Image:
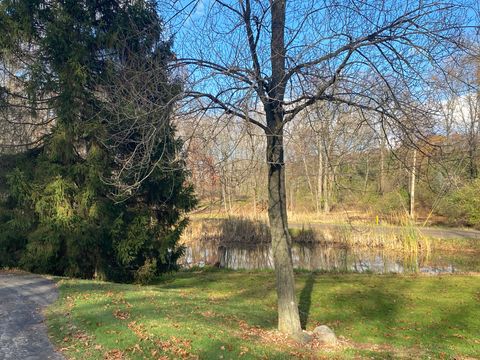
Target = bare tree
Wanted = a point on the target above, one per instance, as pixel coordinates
(412, 184)
(224, 149)
(459, 118)
(464, 106)
(267, 61)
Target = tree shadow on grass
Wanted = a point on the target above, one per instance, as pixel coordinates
(394, 313)
(162, 322)
(389, 311)
(305, 301)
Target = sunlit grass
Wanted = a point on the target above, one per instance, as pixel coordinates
(217, 314)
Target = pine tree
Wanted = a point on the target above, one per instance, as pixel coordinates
(74, 50)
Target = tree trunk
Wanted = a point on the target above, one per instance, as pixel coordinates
(326, 186)
(229, 197)
(472, 151)
(255, 197)
(309, 181)
(381, 187)
(288, 316)
(367, 170)
(292, 196)
(412, 185)
(224, 196)
(319, 176)
(475, 127)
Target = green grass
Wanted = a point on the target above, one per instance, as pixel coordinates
(231, 315)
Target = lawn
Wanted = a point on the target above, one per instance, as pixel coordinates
(231, 315)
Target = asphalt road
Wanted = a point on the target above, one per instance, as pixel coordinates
(434, 232)
(23, 334)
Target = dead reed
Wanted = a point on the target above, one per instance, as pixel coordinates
(405, 238)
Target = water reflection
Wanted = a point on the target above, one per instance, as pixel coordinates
(328, 258)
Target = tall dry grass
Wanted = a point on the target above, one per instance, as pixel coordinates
(406, 238)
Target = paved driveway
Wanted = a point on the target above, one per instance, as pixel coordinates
(23, 334)
(434, 232)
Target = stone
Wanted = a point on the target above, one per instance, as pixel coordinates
(303, 337)
(325, 335)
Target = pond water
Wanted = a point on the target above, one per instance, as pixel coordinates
(327, 257)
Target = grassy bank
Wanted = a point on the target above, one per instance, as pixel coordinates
(231, 315)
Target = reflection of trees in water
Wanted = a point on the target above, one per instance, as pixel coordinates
(253, 257)
(200, 253)
(319, 257)
(376, 261)
(245, 244)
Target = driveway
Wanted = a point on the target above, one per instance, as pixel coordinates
(23, 334)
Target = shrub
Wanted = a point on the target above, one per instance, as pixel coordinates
(147, 272)
(462, 206)
(391, 203)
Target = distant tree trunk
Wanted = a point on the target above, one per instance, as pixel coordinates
(292, 197)
(472, 161)
(229, 197)
(229, 188)
(475, 125)
(224, 196)
(309, 181)
(254, 173)
(255, 184)
(319, 176)
(326, 185)
(472, 146)
(381, 187)
(412, 185)
(366, 176)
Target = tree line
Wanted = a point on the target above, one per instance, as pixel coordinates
(340, 160)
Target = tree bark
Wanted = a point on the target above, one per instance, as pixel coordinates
(412, 185)
(319, 176)
(472, 151)
(381, 187)
(255, 197)
(326, 186)
(288, 316)
(224, 196)
(367, 170)
(309, 182)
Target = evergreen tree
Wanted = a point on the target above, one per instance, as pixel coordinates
(59, 204)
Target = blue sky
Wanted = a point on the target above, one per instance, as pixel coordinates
(201, 31)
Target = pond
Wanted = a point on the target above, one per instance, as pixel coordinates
(328, 257)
